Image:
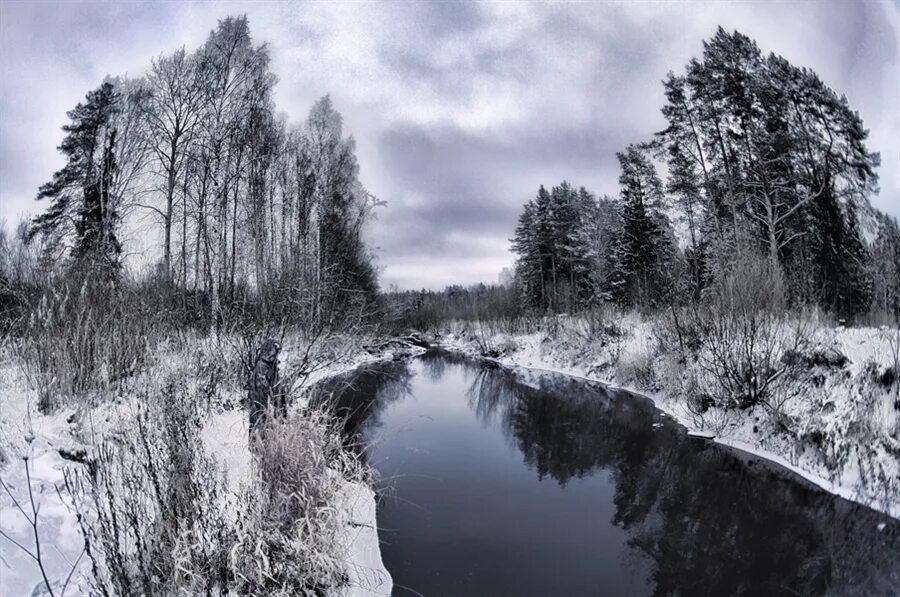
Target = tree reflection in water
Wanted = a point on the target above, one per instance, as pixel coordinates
(358, 399)
(713, 522)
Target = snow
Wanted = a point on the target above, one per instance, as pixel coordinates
(38, 439)
(701, 434)
(61, 543)
(23, 431)
(226, 437)
(855, 419)
(368, 576)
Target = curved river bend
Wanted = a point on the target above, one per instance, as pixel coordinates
(493, 487)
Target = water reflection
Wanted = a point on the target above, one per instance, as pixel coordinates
(710, 522)
(359, 399)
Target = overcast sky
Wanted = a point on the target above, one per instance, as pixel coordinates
(460, 111)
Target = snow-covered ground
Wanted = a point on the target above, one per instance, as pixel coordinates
(72, 428)
(843, 434)
(843, 421)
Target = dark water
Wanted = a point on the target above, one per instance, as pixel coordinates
(491, 487)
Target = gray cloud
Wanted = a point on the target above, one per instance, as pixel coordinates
(460, 110)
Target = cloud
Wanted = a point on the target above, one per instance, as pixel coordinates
(460, 110)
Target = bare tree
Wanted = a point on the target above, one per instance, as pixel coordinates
(172, 109)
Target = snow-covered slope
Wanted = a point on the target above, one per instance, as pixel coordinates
(844, 424)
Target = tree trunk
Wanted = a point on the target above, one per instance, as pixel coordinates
(169, 216)
(264, 397)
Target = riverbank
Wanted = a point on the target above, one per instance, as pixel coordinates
(838, 428)
(62, 441)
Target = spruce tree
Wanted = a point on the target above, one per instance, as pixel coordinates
(639, 277)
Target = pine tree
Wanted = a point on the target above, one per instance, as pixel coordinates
(885, 267)
(772, 157)
(82, 206)
(593, 243)
(528, 272)
(561, 219)
(838, 259)
(533, 242)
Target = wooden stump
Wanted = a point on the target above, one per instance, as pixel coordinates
(264, 396)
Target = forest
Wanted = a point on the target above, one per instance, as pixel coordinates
(762, 161)
(239, 206)
(250, 228)
(741, 279)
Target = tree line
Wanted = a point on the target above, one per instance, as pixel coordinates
(761, 159)
(239, 202)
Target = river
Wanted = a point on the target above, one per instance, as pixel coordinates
(490, 486)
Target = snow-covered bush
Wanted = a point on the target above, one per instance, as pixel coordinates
(159, 516)
(289, 531)
(79, 338)
(151, 503)
(636, 369)
(745, 332)
(599, 323)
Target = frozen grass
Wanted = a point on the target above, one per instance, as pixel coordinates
(173, 464)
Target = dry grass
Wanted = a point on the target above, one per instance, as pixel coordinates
(158, 516)
(151, 502)
(79, 339)
(289, 541)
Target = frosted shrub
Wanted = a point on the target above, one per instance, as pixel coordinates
(637, 368)
(679, 331)
(288, 540)
(485, 334)
(745, 332)
(599, 323)
(79, 339)
(151, 504)
(158, 518)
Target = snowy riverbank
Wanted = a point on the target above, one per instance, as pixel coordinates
(842, 419)
(60, 441)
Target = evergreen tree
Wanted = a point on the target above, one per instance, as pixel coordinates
(553, 244)
(761, 151)
(528, 272)
(561, 220)
(83, 207)
(594, 241)
(838, 259)
(885, 267)
(640, 276)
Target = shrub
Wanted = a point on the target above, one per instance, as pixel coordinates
(745, 332)
(599, 323)
(82, 337)
(158, 518)
(289, 539)
(151, 504)
(637, 368)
